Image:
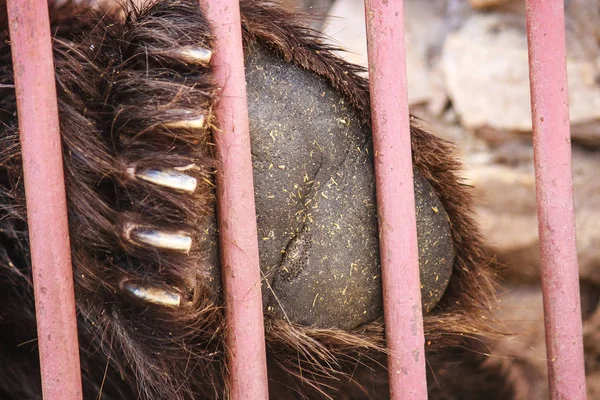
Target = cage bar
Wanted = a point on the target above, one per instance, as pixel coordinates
(46, 200)
(395, 199)
(236, 209)
(554, 192)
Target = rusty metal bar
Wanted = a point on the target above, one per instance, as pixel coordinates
(46, 200)
(395, 199)
(554, 186)
(236, 209)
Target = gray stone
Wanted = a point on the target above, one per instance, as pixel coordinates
(485, 65)
(505, 186)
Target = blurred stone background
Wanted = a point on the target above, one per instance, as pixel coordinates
(468, 77)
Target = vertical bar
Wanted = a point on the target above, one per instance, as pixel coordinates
(46, 200)
(554, 187)
(395, 199)
(236, 209)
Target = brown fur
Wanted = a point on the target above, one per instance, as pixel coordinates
(114, 93)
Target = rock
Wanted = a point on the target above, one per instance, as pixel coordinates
(486, 73)
(521, 312)
(505, 186)
(485, 65)
(587, 133)
(591, 344)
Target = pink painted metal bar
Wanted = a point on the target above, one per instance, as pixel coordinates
(396, 199)
(46, 201)
(556, 216)
(236, 209)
